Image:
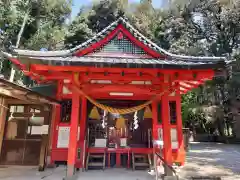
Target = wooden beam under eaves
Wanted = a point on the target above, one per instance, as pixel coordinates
(8, 93)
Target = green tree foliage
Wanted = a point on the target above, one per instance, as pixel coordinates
(78, 31)
(48, 28)
(105, 12)
(42, 24)
(144, 17)
(95, 18)
(202, 28)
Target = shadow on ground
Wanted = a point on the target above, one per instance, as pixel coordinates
(212, 160)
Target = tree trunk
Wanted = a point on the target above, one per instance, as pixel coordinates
(25, 19)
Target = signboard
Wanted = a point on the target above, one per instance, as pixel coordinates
(174, 138)
(36, 130)
(45, 129)
(63, 136)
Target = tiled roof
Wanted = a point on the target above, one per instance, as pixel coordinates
(67, 57)
(103, 34)
(131, 62)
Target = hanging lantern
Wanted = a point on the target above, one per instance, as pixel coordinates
(120, 123)
(94, 114)
(135, 121)
(147, 113)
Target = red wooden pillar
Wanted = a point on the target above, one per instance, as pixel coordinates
(154, 120)
(179, 120)
(83, 130)
(155, 136)
(54, 124)
(167, 145)
(72, 149)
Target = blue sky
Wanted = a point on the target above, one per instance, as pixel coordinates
(78, 3)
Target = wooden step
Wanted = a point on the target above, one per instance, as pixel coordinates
(95, 164)
(141, 160)
(141, 164)
(139, 156)
(96, 156)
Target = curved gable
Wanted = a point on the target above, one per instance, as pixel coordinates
(120, 41)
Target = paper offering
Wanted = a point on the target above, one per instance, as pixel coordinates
(123, 142)
(100, 142)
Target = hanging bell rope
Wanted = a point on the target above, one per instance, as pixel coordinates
(76, 87)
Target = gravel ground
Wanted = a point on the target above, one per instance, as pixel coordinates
(203, 159)
(210, 159)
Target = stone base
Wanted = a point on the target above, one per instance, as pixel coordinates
(71, 173)
(170, 178)
(74, 177)
(51, 166)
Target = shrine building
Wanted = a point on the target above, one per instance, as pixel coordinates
(120, 96)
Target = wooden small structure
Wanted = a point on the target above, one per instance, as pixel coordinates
(24, 125)
(120, 74)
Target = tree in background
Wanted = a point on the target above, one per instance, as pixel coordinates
(78, 30)
(105, 12)
(42, 26)
(94, 18)
(204, 28)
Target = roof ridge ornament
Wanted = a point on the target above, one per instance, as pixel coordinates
(121, 15)
(123, 18)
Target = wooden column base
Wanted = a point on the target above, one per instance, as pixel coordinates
(43, 151)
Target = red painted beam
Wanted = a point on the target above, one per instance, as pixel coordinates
(96, 89)
(40, 67)
(193, 83)
(118, 77)
(103, 93)
(192, 86)
(107, 96)
(91, 72)
(122, 87)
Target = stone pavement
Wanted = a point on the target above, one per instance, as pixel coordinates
(203, 159)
